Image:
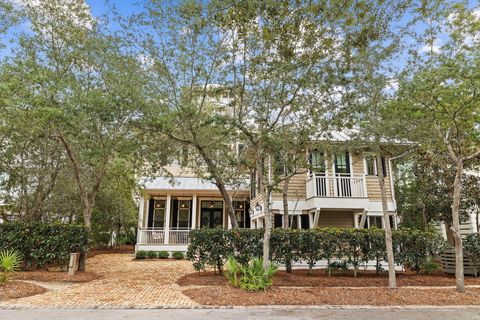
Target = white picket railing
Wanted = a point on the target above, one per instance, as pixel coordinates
(333, 186)
(159, 236)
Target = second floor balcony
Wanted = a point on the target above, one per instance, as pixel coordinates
(336, 186)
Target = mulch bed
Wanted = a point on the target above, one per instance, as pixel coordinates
(56, 276)
(318, 278)
(17, 289)
(227, 295)
(112, 250)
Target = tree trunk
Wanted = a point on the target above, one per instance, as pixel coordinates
(286, 220)
(228, 203)
(267, 231)
(87, 221)
(457, 185)
(392, 281)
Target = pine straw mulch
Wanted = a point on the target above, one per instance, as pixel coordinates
(320, 289)
(229, 296)
(121, 249)
(318, 278)
(18, 289)
(56, 276)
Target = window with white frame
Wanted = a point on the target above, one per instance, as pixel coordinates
(158, 214)
(370, 166)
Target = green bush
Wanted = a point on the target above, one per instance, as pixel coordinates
(472, 249)
(152, 254)
(141, 254)
(42, 244)
(415, 247)
(337, 268)
(9, 262)
(178, 255)
(250, 277)
(163, 255)
(209, 248)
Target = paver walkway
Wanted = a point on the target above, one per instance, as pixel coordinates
(124, 282)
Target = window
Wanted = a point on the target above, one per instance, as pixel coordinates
(317, 162)
(371, 166)
(158, 214)
(253, 184)
(375, 222)
(241, 213)
(240, 148)
(183, 214)
(342, 163)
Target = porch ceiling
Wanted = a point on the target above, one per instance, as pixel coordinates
(185, 183)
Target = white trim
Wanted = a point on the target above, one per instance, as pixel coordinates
(167, 218)
(193, 223)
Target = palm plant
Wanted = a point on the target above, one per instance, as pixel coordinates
(9, 263)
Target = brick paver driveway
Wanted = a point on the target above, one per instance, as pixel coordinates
(125, 282)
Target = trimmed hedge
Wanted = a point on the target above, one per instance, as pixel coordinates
(210, 248)
(42, 244)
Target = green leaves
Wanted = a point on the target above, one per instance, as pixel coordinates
(42, 244)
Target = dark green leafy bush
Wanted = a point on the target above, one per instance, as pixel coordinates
(178, 255)
(42, 244)
(141, 254)
(163, 255)
(472, 249)
(209, 248)
(151, 254)
(414, 247)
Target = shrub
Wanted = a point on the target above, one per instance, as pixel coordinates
(337, 268)
(42, 244)
(9, 263)
(178, 255)
(311, 245)
(250, 277)
(285, 247)
(141, 254)
(429, 267)
(246, 243)
(151, 254)
(163, 255)
(209, 248)
(414, 247)
(472, 248)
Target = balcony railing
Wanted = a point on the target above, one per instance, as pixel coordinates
(162, 236)
(336, 186)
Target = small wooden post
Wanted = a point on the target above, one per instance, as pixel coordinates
(73, 263)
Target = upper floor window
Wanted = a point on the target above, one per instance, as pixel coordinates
(371, 166)
(317, 161)
(342, 163)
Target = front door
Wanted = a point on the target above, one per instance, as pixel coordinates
(211, 214)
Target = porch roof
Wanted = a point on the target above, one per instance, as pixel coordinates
(186, 183)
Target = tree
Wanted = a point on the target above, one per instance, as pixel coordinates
(80, 89)
(440, 99)
(182, 48)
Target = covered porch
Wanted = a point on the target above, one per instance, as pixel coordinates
(167, 213)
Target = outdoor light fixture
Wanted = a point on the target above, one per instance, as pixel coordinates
(258, 207)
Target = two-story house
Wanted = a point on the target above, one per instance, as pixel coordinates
(339, 189)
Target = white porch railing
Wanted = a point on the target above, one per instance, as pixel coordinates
(159, 236)
(336, 186)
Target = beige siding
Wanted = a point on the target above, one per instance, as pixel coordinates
(373, 188)
(297, 188)
(335, 219)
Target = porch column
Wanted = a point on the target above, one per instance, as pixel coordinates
(316, 217)
(166, 238)
(141, 207)
(363, 219)
(194, 211)
(310, 219)
(299, 221)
